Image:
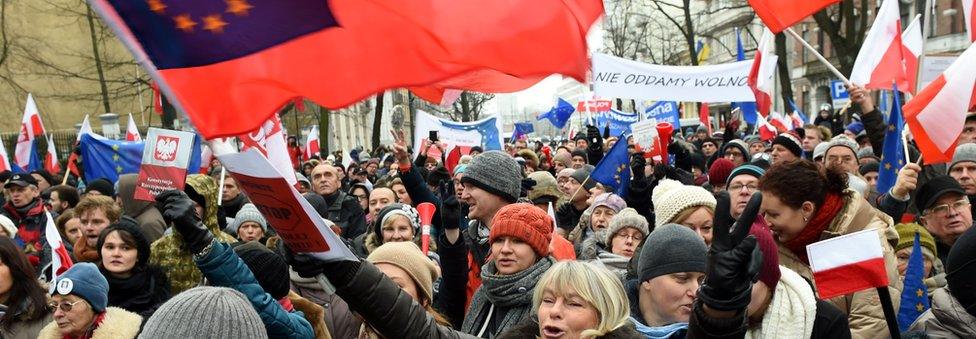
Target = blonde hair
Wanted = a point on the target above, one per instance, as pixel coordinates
(688, 211)
(594, 284)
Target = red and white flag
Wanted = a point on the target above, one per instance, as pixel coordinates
(781, 122)
(847, 264)
(30, 128)
(937, 114)
(4, 160)
(132, 132)
(766, 130)
(705, 116)
(969, 11)
(312, 143)
(269, 140)
(912, 44)
(51, 163)
(879, 63)
(779, 15)
(87, 129)
(762, 75)
(797, 119)
(60, 260)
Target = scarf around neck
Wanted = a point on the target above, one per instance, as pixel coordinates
(812, 232)
(512, 292)
(791, 312)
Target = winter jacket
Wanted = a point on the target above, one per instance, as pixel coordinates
(452, 298)
(344, 210)
(476, 239)
(169, 252)
(876, 128)
(117, 324)
(417, 189)
(222, 267)
(151, 222)
(946, 319)
(30, 221)
(830, 323)
(141, 293)
(862, 308)
(530, 329)
(340, 321)
(27, 329)
(385, 306)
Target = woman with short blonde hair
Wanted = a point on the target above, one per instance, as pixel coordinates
(578, 299)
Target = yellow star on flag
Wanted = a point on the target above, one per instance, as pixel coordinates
(118, 169)
(919, 307)
(115, 147)
(157, 6)
(891, 127)
(919, 292)
(214, 23)
(115, 157)
(238, 7)
(184, 23)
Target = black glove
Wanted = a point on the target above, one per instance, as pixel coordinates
(734, 258)
(177, 208)
(339, 272)
(637, 164)
(606, 131)
(593, 137)
(676, 149)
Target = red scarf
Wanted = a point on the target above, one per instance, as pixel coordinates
(812, 232)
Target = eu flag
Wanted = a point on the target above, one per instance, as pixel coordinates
(614, 170)
(893, 154)
(560, 114)
(748, 108)
(35, 160)
(104, 158)
(914, 297)
(522, 129)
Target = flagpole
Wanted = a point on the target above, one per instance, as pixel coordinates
(889, 312)
(819, 56)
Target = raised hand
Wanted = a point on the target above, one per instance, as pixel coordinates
(177, 208)
(400, 147)
(734, 258)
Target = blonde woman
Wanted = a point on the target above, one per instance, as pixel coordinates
(577, 299)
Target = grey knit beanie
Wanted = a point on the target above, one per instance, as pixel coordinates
(248, 212)
(497, 173)
(671, 248)
(964, 153)
(205, 312)
(627, 217)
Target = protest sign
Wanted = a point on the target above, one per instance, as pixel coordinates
(483, 133)
(618, 121)
(594, 106)
(615, 77)
(164, 162)
(645, 132)
(664, 111)
(287, 212)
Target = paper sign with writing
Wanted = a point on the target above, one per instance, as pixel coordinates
(615, 77)
(164, 162)
(645, 132)
(287, 212)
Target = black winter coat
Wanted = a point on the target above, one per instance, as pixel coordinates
(830, 323)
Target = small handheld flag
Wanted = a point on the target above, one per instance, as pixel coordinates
(914, 297)
(893, 154)
(614, 170)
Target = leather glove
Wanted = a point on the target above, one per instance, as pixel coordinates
(593, 137)
(178, 209)
(338, 272)
(734, 258)
(637, 164)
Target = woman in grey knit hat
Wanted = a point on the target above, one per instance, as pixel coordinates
(617, 244)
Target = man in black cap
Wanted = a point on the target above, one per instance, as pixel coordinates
(944, 211)
(26, 210)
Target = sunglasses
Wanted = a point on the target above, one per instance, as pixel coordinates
(64, 305)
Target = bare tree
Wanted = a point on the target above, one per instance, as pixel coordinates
(468, 107)
(845, 25)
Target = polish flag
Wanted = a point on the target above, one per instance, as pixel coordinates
(312, 143)
(51, 163)
(781, 122)
(911, 41)
(60, 260)
(847, 264)
(879, 63)
(269, 139)
(766, 130)
(797, 119)
(206, 156)
(762, 75)
(157, 99)
(705, 116)
(132, 132)
(969, 11)
(937, 114)
(30, 127)
(4, 160)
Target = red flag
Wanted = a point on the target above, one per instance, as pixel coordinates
(453, 157)
(4, 160)
(131, 131)
(766, 130)
(312, 143)
(51, 163)
(762, 75)
(705, 116)
(848, 263)
(937, 114)
(880, 62)
(779, 15)
(30, 128)
(157, 99)
(215, 66)
(60, 260)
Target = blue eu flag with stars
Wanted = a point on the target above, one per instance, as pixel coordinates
(560, 114)
(914, 297)
(614, 170)
(109, 159)
(893, 154)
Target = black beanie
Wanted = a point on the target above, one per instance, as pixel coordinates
(579, 153)
(438, 175)
(869, 167)
(103, 186)
(791, 141)
(269, 269)
(960, 268)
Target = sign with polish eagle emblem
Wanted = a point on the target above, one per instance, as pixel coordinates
(164, 162)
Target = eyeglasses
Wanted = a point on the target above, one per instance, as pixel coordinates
(738, 187)
(942, 210)
(64, 305)
(634, 237)
(361, 197)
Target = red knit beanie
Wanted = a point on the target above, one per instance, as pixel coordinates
(526, 222)
(769, 272)
(720, 171)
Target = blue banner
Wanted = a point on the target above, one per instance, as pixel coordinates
(665, 111)
(619, 121)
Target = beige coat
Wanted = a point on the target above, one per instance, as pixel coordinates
(26, 329)
(863, 308)
(946, 319)
(117, 324)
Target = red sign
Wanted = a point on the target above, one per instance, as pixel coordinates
(274, 198)
(594, 106)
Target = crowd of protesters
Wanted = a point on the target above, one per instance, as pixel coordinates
(523, 244)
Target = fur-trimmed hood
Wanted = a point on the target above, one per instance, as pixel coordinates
(591, 247)
(117, 324)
